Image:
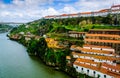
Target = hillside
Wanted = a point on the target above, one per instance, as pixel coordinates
(42, 26)
(5, 28)
(49, 40)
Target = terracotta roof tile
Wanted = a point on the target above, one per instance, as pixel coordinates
(98, 67)
(68, 57)
(88, 45)
(104, 10)
(85, 12)
(105, 41)
(110, 58)
(73, 14)
(103, 35)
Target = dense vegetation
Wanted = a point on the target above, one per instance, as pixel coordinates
(58, 29)
(54, 57)
(5, 28)
(43, 26)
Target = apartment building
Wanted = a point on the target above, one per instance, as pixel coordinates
(96, 61)
(114, 9)
(104, 37)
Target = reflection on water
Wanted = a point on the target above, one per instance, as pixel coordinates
(16, 63)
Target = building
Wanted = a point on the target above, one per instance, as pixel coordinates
(96, 61)
(76, 34)
(96, 69)
(53, 43)
(95, 47)
(105, 52)
(104, 37)
(97, 58)
(16, 36)
(114, 9)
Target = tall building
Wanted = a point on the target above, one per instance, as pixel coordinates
(104, 37)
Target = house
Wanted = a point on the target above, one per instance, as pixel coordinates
(76, 34)
(96, 69)
(104, 37)
(96, 61)
(115, 9)
(53, 43)
(97, 58)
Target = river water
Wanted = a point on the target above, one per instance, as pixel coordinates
(16, 63)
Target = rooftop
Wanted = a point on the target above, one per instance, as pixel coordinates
(88, 45)
(90, 50)
(68, 57)
(98, 67)
(103, 41)
(103, 35)
(86, 13)
(110, 58)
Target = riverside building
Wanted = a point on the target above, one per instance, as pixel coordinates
(114, 9)
(96, 61)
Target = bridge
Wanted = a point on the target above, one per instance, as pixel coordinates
(12, 23)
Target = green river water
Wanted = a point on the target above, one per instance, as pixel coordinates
(16, 63)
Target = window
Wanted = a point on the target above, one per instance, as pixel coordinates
(104, 76)
(87, 71)
(81, 68)
(76, 67)
(94, 72)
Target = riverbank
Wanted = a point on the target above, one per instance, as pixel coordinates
(51, 42)
(16, 63)
(53, 57)
(5, 28)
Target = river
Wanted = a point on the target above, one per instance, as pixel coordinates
(16, 63)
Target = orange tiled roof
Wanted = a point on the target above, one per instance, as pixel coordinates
(106, 58)
(103, 30)
(88, 45)
(86, 61)
(104, 10)
(103, 35)
(116, 67)
(73, 14)
(78, 60)
(73, 46)
(89, 50)
(98, 67)
(105, 41)
(64, 15)
(97, 56)
(53, 43)
(85, 12)
(94, 51)
(68, 57)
